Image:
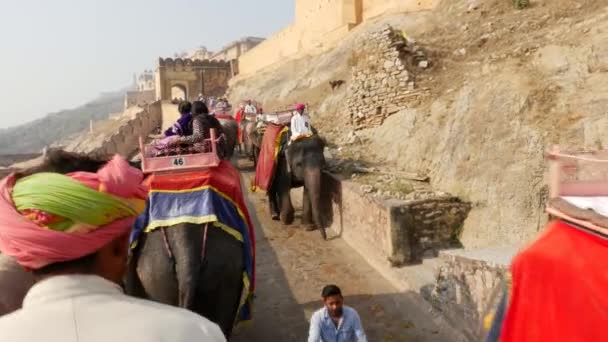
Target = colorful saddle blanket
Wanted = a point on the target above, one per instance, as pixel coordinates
(207, 196)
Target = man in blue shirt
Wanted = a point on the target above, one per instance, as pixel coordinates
(335, 322)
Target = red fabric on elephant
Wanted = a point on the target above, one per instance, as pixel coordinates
(559, 288)
(269, 152)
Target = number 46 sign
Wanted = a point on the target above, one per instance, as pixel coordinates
(178, 161)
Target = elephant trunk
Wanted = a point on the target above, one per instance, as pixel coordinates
(312, 182)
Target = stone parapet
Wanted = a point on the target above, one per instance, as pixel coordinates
(465, 283)
(119, 135)
(399, 232)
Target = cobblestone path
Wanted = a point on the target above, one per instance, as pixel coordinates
(292, 267)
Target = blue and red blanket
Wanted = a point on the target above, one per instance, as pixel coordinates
(207, 196)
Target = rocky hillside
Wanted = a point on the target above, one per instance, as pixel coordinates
(35, 135)
(502, 85)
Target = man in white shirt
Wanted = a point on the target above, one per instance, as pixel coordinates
(300, 127)
(335, 321)
(250, 108)
(78, 258)
(300, 123)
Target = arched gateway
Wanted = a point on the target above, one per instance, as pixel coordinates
(192, 77)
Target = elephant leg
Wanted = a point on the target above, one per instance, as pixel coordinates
(307, 210)
(273, 205)
(221, 279)
(282, 184)
(155, 271)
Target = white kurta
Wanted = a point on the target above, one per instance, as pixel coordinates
(300, 125)
(250, 109)
(91, 309)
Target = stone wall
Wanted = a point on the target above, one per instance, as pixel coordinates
(374, 8)
(383, 77)
(398, 232)
(235, 49)
(466, 283)
(119, 135)
(318, 25)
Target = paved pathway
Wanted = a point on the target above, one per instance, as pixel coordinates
(292, 267)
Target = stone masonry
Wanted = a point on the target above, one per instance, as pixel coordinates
(383, 76)
(466, 284)
(394, 231)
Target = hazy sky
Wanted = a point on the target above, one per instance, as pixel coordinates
(58, 54)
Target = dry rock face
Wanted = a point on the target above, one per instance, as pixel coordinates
(383, 77)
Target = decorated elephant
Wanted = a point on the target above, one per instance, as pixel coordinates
(306, 160)
(192, 247)
(306, 164)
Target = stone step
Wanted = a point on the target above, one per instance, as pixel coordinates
(465, 282)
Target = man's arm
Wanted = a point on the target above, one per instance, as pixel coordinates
(314, 332)
(359, 332)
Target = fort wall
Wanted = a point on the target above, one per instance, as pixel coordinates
(318, 25)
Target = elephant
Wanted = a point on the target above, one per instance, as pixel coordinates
(167, 266)
(14, 284)
(230, 128)
(306, 163)
(251, 140)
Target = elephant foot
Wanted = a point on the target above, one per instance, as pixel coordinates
(287, 218)
(310, 227)
(275, 217)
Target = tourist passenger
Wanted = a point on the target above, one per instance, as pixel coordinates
(72, 232)
(202, 122)
(183, 125)
(335, 322)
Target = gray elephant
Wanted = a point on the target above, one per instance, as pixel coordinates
(252, 140)
(168, 266)
(306, 164)
(230, 128)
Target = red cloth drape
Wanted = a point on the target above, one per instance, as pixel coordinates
(268, 156)
(560, 288)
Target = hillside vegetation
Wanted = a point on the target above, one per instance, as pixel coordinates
(34, 136)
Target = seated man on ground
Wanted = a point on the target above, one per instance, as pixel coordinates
(202, 123)
(335, 321)
(72, 231)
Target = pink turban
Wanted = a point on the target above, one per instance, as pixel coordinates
(32, 242)
(300, 106)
